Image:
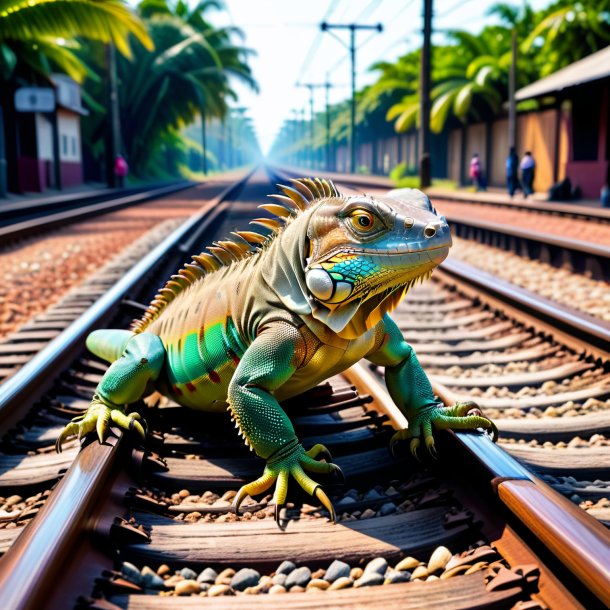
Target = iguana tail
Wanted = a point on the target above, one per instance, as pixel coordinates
(108, 344)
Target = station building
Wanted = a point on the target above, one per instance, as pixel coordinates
(35, 158)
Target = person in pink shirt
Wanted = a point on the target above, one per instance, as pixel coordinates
(121, 169)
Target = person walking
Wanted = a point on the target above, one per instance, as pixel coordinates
(512, 171)
(476, 173)
(121, 169)
(528, 171)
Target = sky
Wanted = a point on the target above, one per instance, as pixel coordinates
(291, 49)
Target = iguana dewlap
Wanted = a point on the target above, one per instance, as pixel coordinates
(259, 319)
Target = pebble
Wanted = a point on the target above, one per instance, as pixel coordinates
(368, 514)
(131, 573)
(439, 559)
(356, 573)
(277, 589)
(299, 577)
(150, 580)
(172, 581)
(394, 576)
(387, 509)
(352, 493)
(186, 587)
(408, 563)
(379, 565)
(341, 583)
(163, 569)
(188, 574)
(318, 583)
(246, 577)
(297, 589)
(12, 500)
(419, 572)
(224, 578)
(184, 493)
(337, 569)
(218, 590)
(372, 494)
(279, 579)
(285, 567)
(345, 501)
(209, 576)
(369, 579)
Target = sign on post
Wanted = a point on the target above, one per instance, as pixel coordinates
(35, 99)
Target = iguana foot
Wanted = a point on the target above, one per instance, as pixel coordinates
(98, 417)
(462, 416)
(291, 460)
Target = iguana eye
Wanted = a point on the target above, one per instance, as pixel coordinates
(362, 221)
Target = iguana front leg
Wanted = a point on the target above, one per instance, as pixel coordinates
(410, 389)
(267, 364)
(124, 383)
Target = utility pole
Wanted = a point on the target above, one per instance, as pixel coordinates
(353, 28)
(425, 169)
(312, 87)
(512, 104)
(327, 86)
(114, 127)
(204, 152)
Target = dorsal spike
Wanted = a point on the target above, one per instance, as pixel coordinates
(224, 256)
(323, 187)
(235, 249)
(333, 189)
(295, 195)
(252, 237)
(270, 223)
(276, 210)
(286, 202)
(180, 279)
(242, 241)
(167, 294)
(192, 272)
(302, 188)
(313, 187)
(207, 261)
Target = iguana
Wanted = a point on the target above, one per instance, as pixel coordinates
(259, 319)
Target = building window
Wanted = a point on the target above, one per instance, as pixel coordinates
(64, 144)
(74, 146)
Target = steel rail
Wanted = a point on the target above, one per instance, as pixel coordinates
(575, 323)
(29, 569)
(45, 221)
(581, 543)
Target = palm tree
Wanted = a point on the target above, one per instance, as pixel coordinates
(41, 33)
(571, 30)
(163, 90)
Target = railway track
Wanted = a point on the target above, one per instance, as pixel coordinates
(24, 218)
(143, 528)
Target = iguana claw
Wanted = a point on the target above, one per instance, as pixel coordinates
(279, 471)
(462, 416)
(98, 417)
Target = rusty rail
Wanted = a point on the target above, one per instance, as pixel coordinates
(580, 542)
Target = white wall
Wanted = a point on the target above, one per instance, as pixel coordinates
(69, 137)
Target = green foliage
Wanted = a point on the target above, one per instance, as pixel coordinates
(164, 89)
(40, 34)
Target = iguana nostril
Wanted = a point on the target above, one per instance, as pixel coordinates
(430, 231)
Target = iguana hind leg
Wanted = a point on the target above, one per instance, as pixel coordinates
(268, 363)
(124, 383)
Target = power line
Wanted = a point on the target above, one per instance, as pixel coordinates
(371, 7)
(316, 42)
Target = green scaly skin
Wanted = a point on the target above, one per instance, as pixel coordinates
(260, 319)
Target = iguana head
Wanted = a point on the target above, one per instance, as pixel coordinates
(348, 260)
(366, 252)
